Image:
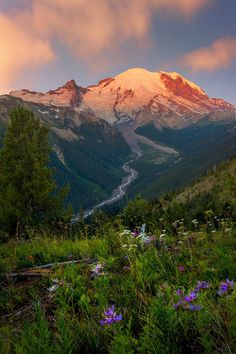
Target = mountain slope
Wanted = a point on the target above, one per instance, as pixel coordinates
(87, 152)
(200, 146)
(221, 180)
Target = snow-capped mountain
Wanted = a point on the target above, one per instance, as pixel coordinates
(138, 95)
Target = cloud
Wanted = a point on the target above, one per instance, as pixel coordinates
(92, 31)
(19, 51)
(221, 54)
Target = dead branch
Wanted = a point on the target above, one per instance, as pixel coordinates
(45, 269)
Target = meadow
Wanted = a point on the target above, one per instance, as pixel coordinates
(131, 291)
(156, 278)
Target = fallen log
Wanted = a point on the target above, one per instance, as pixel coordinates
(45, 269)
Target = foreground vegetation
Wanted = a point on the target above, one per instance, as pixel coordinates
(156, 278)
(147, 280)
(165, 289)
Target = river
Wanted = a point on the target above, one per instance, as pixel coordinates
(118, 192)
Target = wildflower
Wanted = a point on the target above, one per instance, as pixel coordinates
(181, 268)
(194, 307)
(135, 233)
(201, 285)
(56, 284)
(224, 287)
(230, 283)
(191, 297)
(110, 317)
(97, 269)
(53, 288)
(162, 235)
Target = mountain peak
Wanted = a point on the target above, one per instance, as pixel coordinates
(71, 85)
(67, 95)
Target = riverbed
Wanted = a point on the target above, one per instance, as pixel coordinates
(118, 192)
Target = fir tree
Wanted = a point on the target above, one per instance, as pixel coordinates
(27, 187)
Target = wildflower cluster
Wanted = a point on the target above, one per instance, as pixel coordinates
(110, 317)
(185, 301)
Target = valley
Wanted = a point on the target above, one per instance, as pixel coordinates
(139, 145)
(173, 127)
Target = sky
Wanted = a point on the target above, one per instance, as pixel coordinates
(44, 43)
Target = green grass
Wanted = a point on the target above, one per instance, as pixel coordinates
(140, 281)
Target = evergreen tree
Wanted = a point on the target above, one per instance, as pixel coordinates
(27, 188)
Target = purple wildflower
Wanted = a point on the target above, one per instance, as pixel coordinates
(224, 287)
(201, 285)
(230, 283)
(181, 268)
(191, 297)
(194, 307)
(110, 317)
(97, 269)
(135, 233)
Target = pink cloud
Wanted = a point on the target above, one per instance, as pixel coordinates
(93, 31)
(19, 51)
(99, 28)
(220, 54)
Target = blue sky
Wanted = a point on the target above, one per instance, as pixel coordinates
(47, 42)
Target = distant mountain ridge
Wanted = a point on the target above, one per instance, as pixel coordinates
(138, 96)
(69, 95)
